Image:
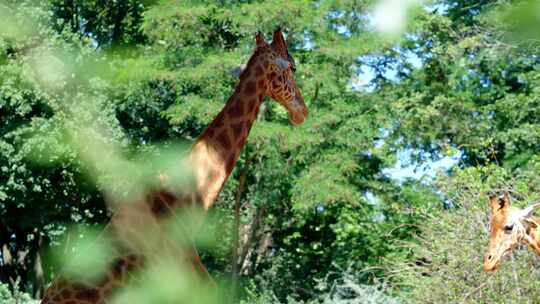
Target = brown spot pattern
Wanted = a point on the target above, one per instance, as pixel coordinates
(251, 105)
(250, 88)
(231, 160)
(161, 202)
(88, 295)
(261, 84)
(236, 109)
(133, 258)
(259, 71)
(118, 267)
(209, 132)
(242, 141)
(237, 128)
(224, 140)
(66, 293)
(132, 262)
(218, 121)
(245, 73)
(255, 106)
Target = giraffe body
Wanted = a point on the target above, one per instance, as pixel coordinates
(212, 158)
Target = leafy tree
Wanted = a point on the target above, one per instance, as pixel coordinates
(464, 97)
(107, 23)
(313, 199)
(474, 95)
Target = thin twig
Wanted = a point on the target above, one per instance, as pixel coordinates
(477, 288)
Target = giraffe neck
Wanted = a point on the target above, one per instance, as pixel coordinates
(216, 151)
(212, 158)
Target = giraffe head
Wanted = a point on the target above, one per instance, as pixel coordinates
(273, 62)
(509, 227)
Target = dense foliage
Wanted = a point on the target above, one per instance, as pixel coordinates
(476, 96)
(321, 220)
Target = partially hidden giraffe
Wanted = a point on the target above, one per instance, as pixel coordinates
(269, 72)
(510, 227)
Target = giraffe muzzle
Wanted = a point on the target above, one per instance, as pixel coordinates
(298, 111)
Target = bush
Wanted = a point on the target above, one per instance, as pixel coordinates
(345, 289)
(445, 264)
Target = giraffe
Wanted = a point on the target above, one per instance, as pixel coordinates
(510, 226)
(212, 157)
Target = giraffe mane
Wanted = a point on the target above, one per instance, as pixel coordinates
(252, 59)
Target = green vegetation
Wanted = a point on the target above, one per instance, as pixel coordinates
(96, 98)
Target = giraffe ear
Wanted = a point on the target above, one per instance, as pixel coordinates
(499, 202)
(279, 44)
(259, 40)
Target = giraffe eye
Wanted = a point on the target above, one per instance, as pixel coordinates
(508, 228)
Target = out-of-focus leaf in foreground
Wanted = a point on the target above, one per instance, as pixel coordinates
(84, 253)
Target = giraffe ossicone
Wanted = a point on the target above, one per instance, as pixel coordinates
(269, 72)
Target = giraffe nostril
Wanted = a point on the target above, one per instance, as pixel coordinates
(490, 257)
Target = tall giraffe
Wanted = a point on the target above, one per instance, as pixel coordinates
(269, 72)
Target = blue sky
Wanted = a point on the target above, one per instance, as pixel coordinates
(403, 168)
(389, 17)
